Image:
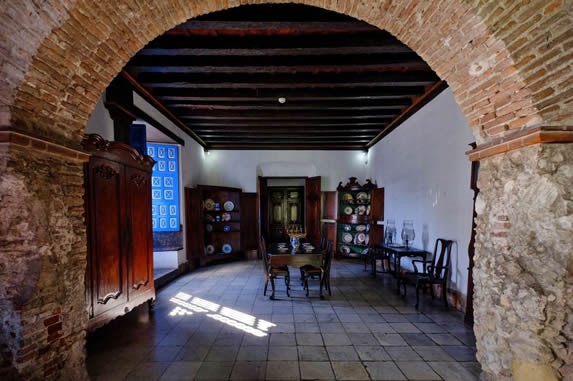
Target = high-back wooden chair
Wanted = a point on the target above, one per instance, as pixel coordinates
(436, 271)
(323, 272)
(273, 272)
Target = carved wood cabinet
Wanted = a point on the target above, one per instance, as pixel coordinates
(119, 273)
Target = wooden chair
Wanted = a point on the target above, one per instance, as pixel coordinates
(323, 272)
(435, 272)
(273, 272)
(378, 253)
(325, 246)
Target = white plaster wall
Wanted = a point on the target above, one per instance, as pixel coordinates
(241, 168)
(100, 122)
(423, 167)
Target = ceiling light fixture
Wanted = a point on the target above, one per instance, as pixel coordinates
(282, 100)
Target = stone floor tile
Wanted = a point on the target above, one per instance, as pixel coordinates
(370, 318)
(402, 354)
(430, 327)
(282, 339)
(349, 318)
(181, 370)
(147, 371)
(460, 352)
(282, 318)
(282, 370)
(452, 371)
(282, 353)
(433, 353)
(252, 353)
(405, 328)
(342, 353)
(331, 327)
(309, 339)
(249, 370)
(214, 371)
(304, 318)
(381, 328)
(349, 370)
(362, 339)
(444, 339)
(312, 353)
(385, 310)
(418, 339)
(193, 353)
(383, 370)
(418, 318)
(249, 340)
(222, 353)
(417, 370)
(356, 327)
(306, 327)
(336, 339)
(316, 370)
(116, 374)
(387, 339)
(371, 353)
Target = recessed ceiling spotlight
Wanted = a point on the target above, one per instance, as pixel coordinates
(282, 100)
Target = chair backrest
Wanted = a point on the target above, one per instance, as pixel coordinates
(264, 253)
(327, 256)
(441, 261)
(322, 243)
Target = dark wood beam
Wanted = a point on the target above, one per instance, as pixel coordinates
(335, 123)
(277, 117)
(282, 108)
(290, 104)
(257, 52)
(292, 85)
(297, 147)
(430, 93)
(250, 28)
(290, 135)
(299, 130)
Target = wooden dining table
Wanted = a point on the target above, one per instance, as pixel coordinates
(294, 259)
(395, 253)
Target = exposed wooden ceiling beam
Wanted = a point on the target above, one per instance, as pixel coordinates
(335, 123)
(246, 28)
(289, 147)
(305, 130)
(278, 118)
(282, 108)
(256, 52)
(289, 104)
(295, 85)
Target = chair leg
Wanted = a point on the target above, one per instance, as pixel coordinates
(306, 284)
(287, 283)
(445, 294)
(417, 295)
(301, 277)
(432, 291)
(266, 285)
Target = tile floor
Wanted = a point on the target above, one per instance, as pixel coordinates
(215, 324)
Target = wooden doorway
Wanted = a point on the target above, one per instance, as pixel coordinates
(285, 208)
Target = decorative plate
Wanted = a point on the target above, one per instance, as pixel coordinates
(226, 217)
(209, 228)
(226, 228)
(360, 228)
(348, 210)
(209, 218)
(227, 249)
(347, 237)
(228, 206)
(360, 238)
(209, 204)
(344, 249)
(209, 249)
(361, 210)
(347, 197)
(367, 239)
(362, 196)
(347, 228)
(368, 210)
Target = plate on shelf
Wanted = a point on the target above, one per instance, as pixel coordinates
(209, 204)
(228, 206)
(362, 196)
(367, 239)
(368, 209)
(226, 217)
(348, 210)
(360, 228)
(227, 249)
(226, 228)
(347, 197)
(344, 249)
(347, 237)
(209, 218)
(347, 228)
(361, 210)
(209, 228)
(209, 249)
(360, 238)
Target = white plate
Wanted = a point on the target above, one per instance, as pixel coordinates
(361, 210)
(227, 249)
(347, 237)
(362, 196)
(344, 249)
(228, 206)
(209, 249)
(348, 210)
(360, 238)
(367, 239)
(226, 217)
(360, 228)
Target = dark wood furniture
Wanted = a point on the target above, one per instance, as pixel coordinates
(360, 207)
(119, 273)
(435, 272)
(273, 272)
(296, 259)
(322, 272)
(396, 253)
(286, 207)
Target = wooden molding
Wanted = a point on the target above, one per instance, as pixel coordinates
(95, 144)
(519, 140)
(28, 142)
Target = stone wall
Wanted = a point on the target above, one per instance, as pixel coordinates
(42, 265)
(524, 262)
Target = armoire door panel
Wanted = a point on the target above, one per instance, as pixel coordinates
(108, 268)
(138, 228)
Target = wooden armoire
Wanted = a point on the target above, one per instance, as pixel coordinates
(119, 273)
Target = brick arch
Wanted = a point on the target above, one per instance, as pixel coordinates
(72, 52)
(500, 59)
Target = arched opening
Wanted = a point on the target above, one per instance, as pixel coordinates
(54, 75)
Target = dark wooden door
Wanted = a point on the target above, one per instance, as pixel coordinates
(194, 226)
(138, 231)
(285, 208)
(313, 209)
(108, 269)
